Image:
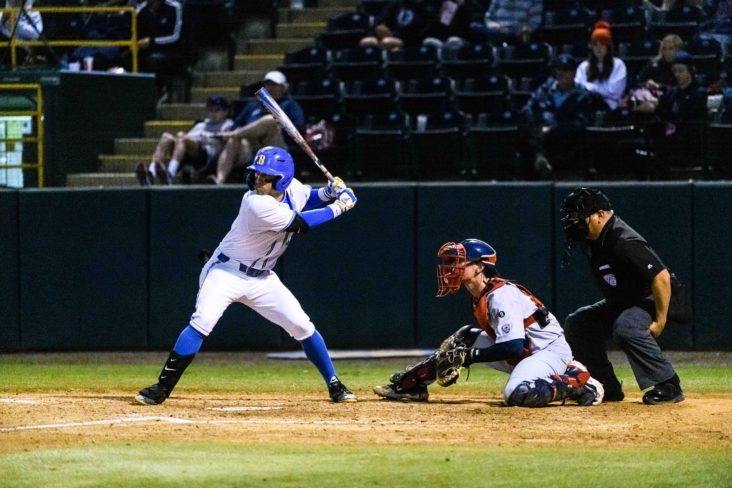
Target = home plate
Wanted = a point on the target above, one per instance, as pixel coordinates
(245, 409)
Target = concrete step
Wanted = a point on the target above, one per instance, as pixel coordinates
(216, 79)
(263, 62)
(140, 146)
(121, 163)
(155, 128)
(308, 30)
(200, 94)
(182, 111)
(271, 46)
(101, 179)
(320, 14)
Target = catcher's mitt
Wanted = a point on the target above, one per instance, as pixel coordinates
(450, 359)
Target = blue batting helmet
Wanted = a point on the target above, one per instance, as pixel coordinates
(477, 250)
(274, 161)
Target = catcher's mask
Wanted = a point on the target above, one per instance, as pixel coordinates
(453, 259)
(579, 205)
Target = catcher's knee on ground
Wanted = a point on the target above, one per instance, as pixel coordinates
(525, 394)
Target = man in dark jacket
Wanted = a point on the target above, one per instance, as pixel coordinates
(556, 116)
(637, 290)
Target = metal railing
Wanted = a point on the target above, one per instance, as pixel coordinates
(14, 43)
(7, 144)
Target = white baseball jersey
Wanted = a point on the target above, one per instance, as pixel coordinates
(256, 238)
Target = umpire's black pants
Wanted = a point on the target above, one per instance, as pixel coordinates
(588, 329)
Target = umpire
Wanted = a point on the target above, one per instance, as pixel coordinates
(637, 290)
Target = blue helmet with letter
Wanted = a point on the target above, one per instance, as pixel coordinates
(274, 161)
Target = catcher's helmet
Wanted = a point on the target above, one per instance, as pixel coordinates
(578, 205)
(274, 161)
(454, 256)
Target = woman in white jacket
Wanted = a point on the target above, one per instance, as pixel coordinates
(602, 73)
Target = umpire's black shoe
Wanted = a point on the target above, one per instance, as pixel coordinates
(614, 396)
(663, 393)
(339, 393)
(153, 395)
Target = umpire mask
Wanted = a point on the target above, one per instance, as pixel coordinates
(579, 205)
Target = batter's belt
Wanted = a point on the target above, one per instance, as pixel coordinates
(243, 267)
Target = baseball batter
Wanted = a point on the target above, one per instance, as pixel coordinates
(241, 268)
(515, 334)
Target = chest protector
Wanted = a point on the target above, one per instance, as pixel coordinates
(483, 317)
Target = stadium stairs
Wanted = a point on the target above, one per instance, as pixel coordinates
(297, 28)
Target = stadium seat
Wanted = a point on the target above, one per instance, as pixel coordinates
(425, 95)
(719, 148)
(468, 61)
(435, 145)
(627, 22)
(208, 26)
(492, 146)
(683, 21)
(318, 97)
(374, 8)
(373, 96)
(522, 60)
(357, 63)
(522, 89)
(565, 25)
(636, 54)
(708, 58)
(345, 31)
(380, 147)
(417, 62)
(488, 93)
(303, 64)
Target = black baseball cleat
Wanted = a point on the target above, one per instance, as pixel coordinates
(339, 393)
(152, 395)
(663, 393)
(614, 396)
(392, 392)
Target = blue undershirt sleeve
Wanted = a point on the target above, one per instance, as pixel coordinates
(314, 200)
(497, 352)
(317, 216)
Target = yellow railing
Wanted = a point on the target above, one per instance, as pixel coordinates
(131, 42)
(8, 143)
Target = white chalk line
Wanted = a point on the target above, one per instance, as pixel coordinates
(245, 409)
(19, 401)
(173, 420)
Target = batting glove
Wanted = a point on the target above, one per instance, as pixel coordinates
(331, 191)
(345, 202)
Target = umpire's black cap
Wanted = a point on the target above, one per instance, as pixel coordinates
(565, 62)
(584, 201)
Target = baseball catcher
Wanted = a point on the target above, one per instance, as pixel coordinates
(515, 333)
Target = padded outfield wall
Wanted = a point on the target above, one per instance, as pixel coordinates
(118, 268)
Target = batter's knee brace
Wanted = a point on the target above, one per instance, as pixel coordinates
(526, 395)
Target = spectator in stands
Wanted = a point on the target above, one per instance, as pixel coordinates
(655, 12)
(682, 115)
(254, 128)
(556, 116)
(508, 21)
(405, 24)
(602, 73)
(194, 153)
(672, 126)
(26, 25)
(105, 26)
(657, 76)
(159, 46)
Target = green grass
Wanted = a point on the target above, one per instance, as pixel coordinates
(214, 465)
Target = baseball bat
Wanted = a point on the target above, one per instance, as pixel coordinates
(284, 121)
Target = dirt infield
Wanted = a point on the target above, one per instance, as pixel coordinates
(30, 421)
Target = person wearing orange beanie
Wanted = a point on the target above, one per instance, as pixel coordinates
(602, 73)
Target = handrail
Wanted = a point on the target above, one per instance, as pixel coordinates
(38, 138)
(131, 42)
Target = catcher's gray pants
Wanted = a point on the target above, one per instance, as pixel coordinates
(588, 329)
(540, 365)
